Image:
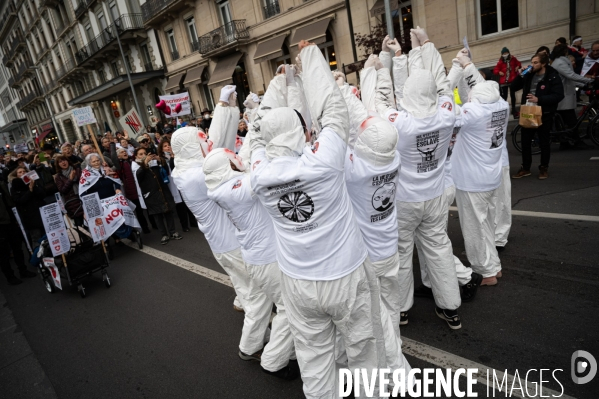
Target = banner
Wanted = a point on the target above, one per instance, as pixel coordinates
(20, 148)
(105, 216)
(14, 210)
(49, 263)
(132, 123)
(173, 100)
(84, 116)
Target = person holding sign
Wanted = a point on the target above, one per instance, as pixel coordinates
(28, 197)
(11, 239)
(66, 179)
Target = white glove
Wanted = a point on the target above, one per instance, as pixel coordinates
(394, 47)
(298, 65)
(280, 69)
(252, 101)
(463, 58)
(385, 41)
(414, 39)
(339, 78)
(373, 61)
(420, 34)
(227, 92)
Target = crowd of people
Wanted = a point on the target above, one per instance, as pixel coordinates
(347, 181)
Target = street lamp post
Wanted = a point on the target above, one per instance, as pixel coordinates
(60, 135)
(389, 20)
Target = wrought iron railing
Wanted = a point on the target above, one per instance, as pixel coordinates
(68, 65)
(123, 23)
(152, 7)
(271, 9)
(28, 98)
(225, 34)
(41, 51)
(175, 55)
(6, 61)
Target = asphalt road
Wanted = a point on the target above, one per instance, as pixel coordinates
(162, 331)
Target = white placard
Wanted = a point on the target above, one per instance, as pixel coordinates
(132, 123)
(29, 176)
(84, 116)
(49, 263)
(52, 218)
(60, 202)
(59, 242)
(16, 213)
(173, 100)
(20, 148)
(92, 206)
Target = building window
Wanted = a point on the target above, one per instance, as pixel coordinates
(206, 92)
(101, 76)
(271, 8)
(115, 69)
(170, 37)
(193, 34)
(497, 16)
(145, 55)
(328, 51)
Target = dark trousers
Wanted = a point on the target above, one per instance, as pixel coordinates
(503, 91)
(139, 213)
(11, 239)
(543, 133)
(168, 228)
(570, 119)
(185, 216)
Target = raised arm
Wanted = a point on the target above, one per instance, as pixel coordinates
(275, 97)
(322, 93)
(223, 129)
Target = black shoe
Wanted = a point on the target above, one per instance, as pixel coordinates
(164, 240)
(469, 290)
(403, 318)
(177, 236)
(499, 249)
(423, 292)
(27, 274)
(13, 280)
(256, 356)
(287, 373)
(450, 316)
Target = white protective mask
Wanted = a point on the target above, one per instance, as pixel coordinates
(217, 167)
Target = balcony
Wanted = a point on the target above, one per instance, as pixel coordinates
(106, 40)
(220, 39)
(6, 19)
(153, 10)
(174, 55)
(50, 86)
(271, 9)
(28, 99)
(7, 61)
(68, 66)
(41, 51)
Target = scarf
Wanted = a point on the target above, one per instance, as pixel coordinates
(90, 176)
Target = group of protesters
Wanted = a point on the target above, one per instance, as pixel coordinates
(347, 181)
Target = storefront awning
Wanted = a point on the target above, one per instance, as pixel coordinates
(314, 32)
(174, 82)
(223, 73)
(194, 75)
(12, 125)
(269, 49)
(115, 86)
(379, 7)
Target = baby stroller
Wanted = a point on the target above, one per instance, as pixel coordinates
(83, 259)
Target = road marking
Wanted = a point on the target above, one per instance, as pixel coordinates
(594, 158)
(547, 215)
(427, 353)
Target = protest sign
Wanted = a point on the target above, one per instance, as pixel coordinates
(60, 202)
(84, 116)
(30, 176)
(59, 242)
(20, 148)
(132, 123)
(173, 100)
(105, 216)
(16, 213)
(49, 263)
(52, 217)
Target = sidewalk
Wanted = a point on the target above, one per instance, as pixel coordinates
(21, 375)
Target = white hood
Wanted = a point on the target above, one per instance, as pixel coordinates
(217, 167)
(420, 94)
(187, 144)
(283, 132)
(377, 143)
(486, 92)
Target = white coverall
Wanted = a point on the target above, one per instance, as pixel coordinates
(327, 282)
(503, 208)
(425, 125)
(371, 170)
(212, 220)
(231, 191)
(476, 170)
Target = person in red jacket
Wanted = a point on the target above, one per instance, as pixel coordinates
(507, 68)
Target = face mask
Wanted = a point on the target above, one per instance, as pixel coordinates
(153, 163)
(207, 116)
(505, 56)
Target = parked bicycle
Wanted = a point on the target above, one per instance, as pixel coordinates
(587, 124)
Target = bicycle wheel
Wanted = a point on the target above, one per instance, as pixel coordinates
(517, 140)
(583, 130)
(593, 129)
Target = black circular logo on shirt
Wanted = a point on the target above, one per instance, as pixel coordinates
(297, 206)
(384, 197)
